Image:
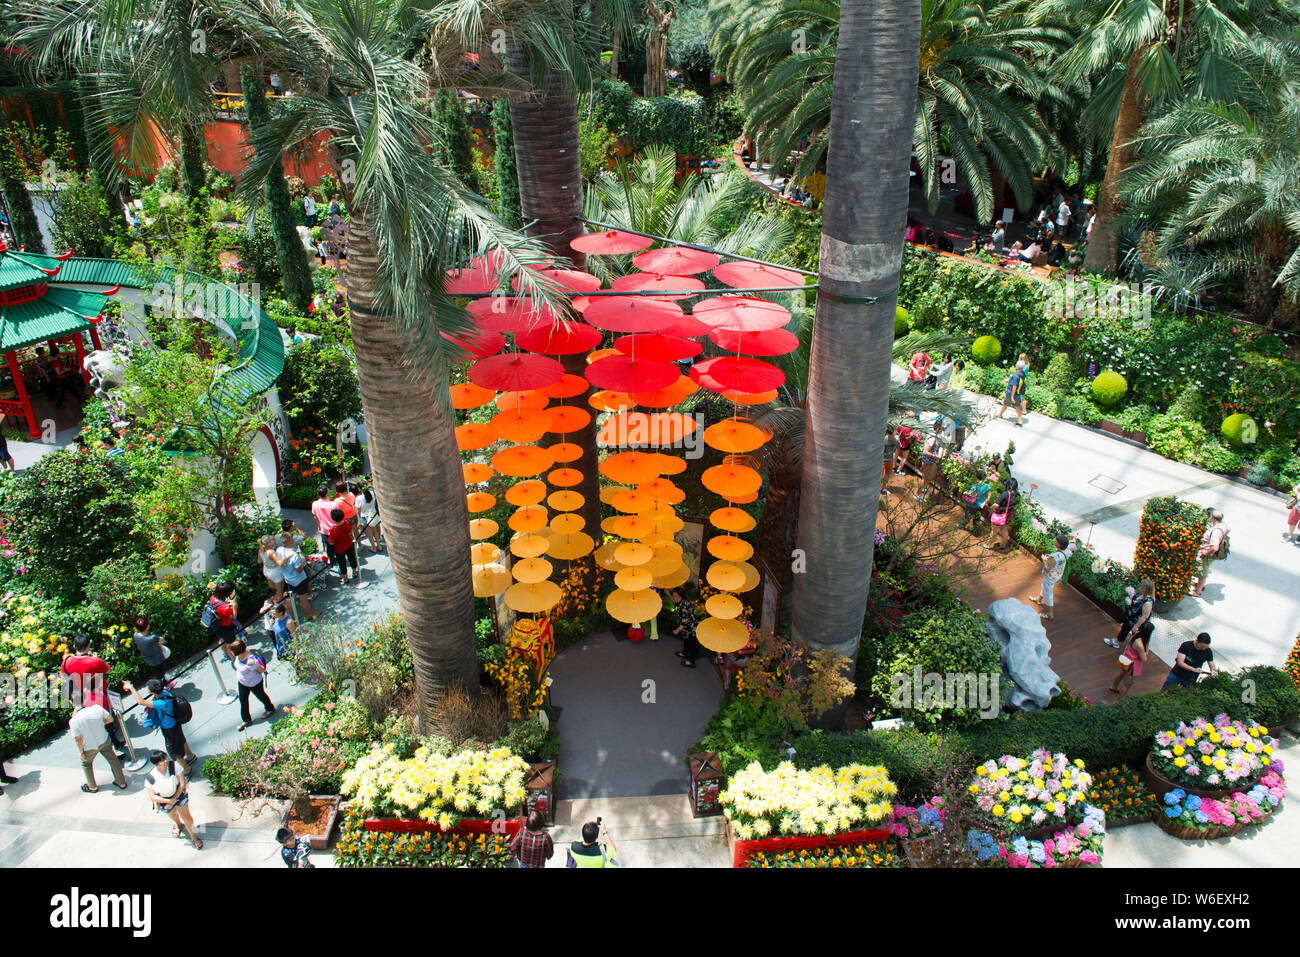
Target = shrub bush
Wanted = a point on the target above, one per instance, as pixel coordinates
(1042, 399)
(1078, 409)
(1176, 438)
(986, 349)
(1060, 373)
(902, 322)
(318, 387)
(1108, 388)
(916, 760)
(1239, 430)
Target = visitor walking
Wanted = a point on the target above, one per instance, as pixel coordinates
(169, 793)
(86, 679)
(368, 511)
(344, 546)
(6, 777)
(687, 622)
(1138, 606)
(1214, 547)
(296, 581)
(1053, 571)
(283, 629)
(1063, 217)
(1193, 660)
(892, 446)
(295, 851)
(151, 648)
(1014, 392)
(250, 670)
(272, 564)
(591, 851)
(6, 457)
(221, 616)
(322, 510)
(1293, 514)
(973, 502)
(309, 210)
(532, 846)
(1132, 658)
(89, 726)
(931, 455)
(905, 440)
(1001, 514)
(166, 712)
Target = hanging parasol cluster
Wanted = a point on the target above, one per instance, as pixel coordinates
(637, 383)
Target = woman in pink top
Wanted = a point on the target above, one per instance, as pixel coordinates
(320, 510)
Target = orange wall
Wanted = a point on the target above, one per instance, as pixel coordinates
(228, 144)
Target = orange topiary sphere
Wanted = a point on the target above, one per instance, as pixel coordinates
(1169, 538)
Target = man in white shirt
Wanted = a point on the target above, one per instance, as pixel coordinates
(309, 209)
(1062, 218)
(89, 727)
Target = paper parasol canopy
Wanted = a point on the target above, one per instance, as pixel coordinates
(567, 418)
(490, 580)
(477, 344)
(732, 520)
(746, 313)
(612, 242)
(670, 464)
(569, 547)
(736, 435)
(767, 342)
(522, 426)
(645, 428)
(467, 395)
(725, 576)
(683, 325)
(632, 501)
(480, 502)
(670, 524)
(529, 545)
(482, 528)
(528, 492)
(533, 400)
(531, 570)
(722, 635)
(566, 523)
(565, 500)
(728, 548)
(631, 468)
(633, 553)
(521, 460)
(605, 556)
(532, 518)
(511, 314)
(729, 479)
(475, 435)
(678, 576)
(738, 374)
(662, 490)
(633, 375)
(564, 478)
(749, 398)
(676, 287)
(515, 372)
(631, 313)
(568, 387)
(565, 451)
(669, 395)
(483, 553)
(756, 276)
(675, 261)
(608, 401)
(633, 606)
(634, 579)
(630, 526)
(561, 339)
(752, 577)
(573, 280)
(724, 606)
(607, 493)
(469, 282)
(476, 472)
(744, 499)
(533, 598)
(652, 345)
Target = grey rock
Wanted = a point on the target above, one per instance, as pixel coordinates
(1021, 640)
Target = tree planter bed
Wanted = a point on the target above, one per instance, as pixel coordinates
(742, 851)
(319, 829)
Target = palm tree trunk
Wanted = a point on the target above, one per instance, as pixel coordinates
(417, 473)
(776, 539)
(615, 43)
(1103, 247)
(872, 106)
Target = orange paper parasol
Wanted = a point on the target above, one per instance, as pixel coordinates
(528, 492)
(669, 395)
(566, 523)
(605, 556)
(533, 598)
(632, 501)
(751, 577)
(670, 464)
(633, 553)
(530, 401)
(633, 606)
(632, 467)
(528, 545)
(565, 501)
(732, 520)
(608, 401)
(467, 395)
(724, 606)
(736, 435)
(482, 528)
(531, 570)
(531, 518)
(522, 427)
(678, 576)
(483, 553)
(567, 418)
(722, 635)
(568, 387)
(476, 472)
(749, 398)
(725, 576)
(728, 548)
(631, 526)
(480, 502)
(731, 479)
(475, 435)
(565, 451)
(521, 460)
(564, 478)
(634, 579)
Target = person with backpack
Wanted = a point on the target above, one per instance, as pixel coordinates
(1053, 571)
(591, 851)
(368, 510)
(169, 793)
(168, 712)
(344, 546)
(221, 616)
(905, 440)
(1138, 606)
(1214, 548)
(85, 677)
(250, 669)
(1012, 397)
(283, 629)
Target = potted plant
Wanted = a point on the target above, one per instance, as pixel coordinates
(1209, 759)
(1032, 796)
(313, 816)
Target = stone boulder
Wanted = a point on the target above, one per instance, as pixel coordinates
(1021, 639)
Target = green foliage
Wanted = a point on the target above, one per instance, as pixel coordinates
(1060, 373)
(678, 122)
(15, 172)
(743, 732)
(457, 147)
(529, 739)
(902, 324)
(596, 146)
(1239, 429)
(318, 388)
(1268, 389)
(1108, 388)
(986, 349)
(82, 219)
(1176, 438)
(1042, 399)
(1078, 409)
(507, 177)
(916, 760)
(1193, 404)
(259, 254)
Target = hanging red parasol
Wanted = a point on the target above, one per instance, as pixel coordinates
(737, 375)
(686, 326)
(511, 314)
(612, 242)
(573, 280)
(515, 372)
(652, 345)
(740, 275)
(646, 282)
(675, 261)
(561, 339)
(768, 342)
(626, 374)
(742, 312)
(469, 282)
(631, 314)
(478, 344)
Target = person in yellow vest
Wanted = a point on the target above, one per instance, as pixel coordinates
(591, 851)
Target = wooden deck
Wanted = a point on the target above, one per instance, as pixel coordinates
(981, 576)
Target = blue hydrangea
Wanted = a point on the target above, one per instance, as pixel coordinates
(1202, 817)
(1037, 852)
(1173, 811)
(1020, 845)
(1193, 802)
(1170, 799)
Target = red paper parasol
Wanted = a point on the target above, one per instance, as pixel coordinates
(478, 344)
(515, 372)
(574, 280)
(613, 242)
(768, 342)
(512, 314)
(737, 375)
(669, 395)
(742, 312)
(631, 375)
(631, 314)
(567, 387)
(469, 282)
(646, 282)
(756, 276)
(687, 326)
(561, 339)
(652, 345)
(675, 261)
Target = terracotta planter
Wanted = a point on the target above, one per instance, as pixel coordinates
(1175, 828)
(1111, 428)
(320, 842)
(1161, 785)
(1136, 435)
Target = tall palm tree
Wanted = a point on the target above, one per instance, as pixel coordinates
(873, 103)
(1138, 55)
(978, 82)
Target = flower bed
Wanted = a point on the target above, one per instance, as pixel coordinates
(1192, 817)
(877, 854)
(469, 844)
(1123, 796)
(1022, 795)
(1073, 846)
(1211, 758)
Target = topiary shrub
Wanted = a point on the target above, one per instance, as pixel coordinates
(1078, 409)
(1239, 430)
(985, 350)
(1042, 399)
(1060, 373)
(1108, 388)
(902, 322)
(1169, 538)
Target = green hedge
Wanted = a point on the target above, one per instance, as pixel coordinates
(678, 122)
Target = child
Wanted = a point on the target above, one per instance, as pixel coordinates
(344, 546)
(294, 851)
(284, 629)
(1053, 572)
(904, 447)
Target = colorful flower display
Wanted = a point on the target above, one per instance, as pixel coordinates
(1169, 538)
(857, 855)
(1081, 843)
(790, 801)
(920, 821)
(1213, 755)
(358, 847)
(1022, 794)
(1121, 793)
(1210, 817)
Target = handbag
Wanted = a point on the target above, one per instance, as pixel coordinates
(1291, 502)
(969, 498)
(1125, 661)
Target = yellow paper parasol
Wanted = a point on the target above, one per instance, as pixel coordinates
(568, 547)
(634, 579)
(529, 545)
(633, 606)
(483, 553)
(607, 524)
(732, 520)
(724, 606)
(725, 576)
(565, 501)
(566, 523)
(490, 580)
(482, 528)
(752, 577)
(728, 548)
(565, 451)
(678, 576)
(480, 501)
(531, 570)
(631, 526)
(671, 524)
(633, 553)
(722, 634)
(530, 518)
(605, 556)
(476, 472)
(607, 492)
(529, 492)
(533, 598)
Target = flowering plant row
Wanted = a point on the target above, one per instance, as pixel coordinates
(1209, 817)
(1121, 793)
(358, 847)
(1022, 794)
(436, 788)
(857, 855)
(1081, 843)
(790, 801)
(1216, 755)
(921, 821)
